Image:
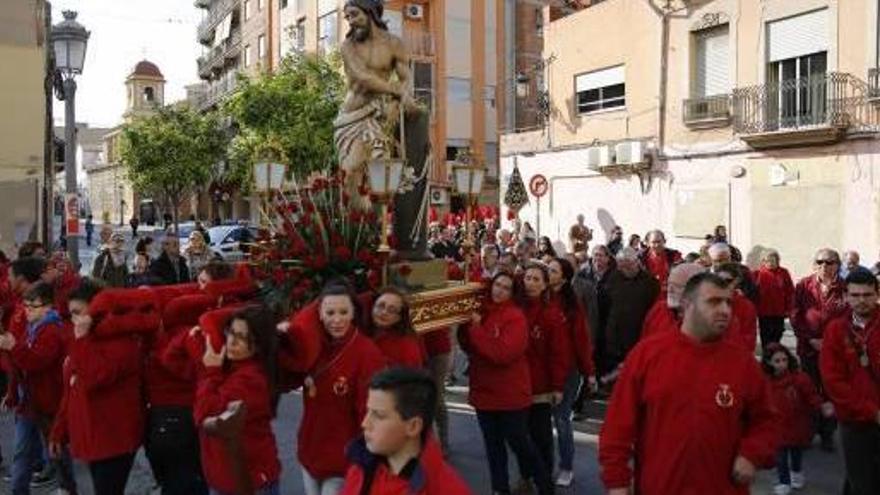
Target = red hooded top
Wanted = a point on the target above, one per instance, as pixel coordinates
(678, 404)
(853, 388)
(776, 289)
(499, 374)
(549, 351)
(578, 337)
(744, 321)
(102, 411)
(437, 342)
(797, 400)
(429, 474)
(660, 319)
(335, 407)
(245, 381)
(401, 349)
(37, 367)
(813, 310)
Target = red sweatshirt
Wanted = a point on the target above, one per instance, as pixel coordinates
(853, 388)
(744, 322)
(679, 404)
(102, 413)
(437, 342)
(549, 351)
(499, 376)
(333, 413)
(578, 337)
(245, 381)
(401, 350)
(796, 399)
(429, 474)
(776, 289)
(37, 369)
(660, 319)
(813, 309)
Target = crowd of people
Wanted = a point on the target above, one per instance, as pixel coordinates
(174, 353)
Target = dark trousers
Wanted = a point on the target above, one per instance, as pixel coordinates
(109, 476)
(172, 447)
(502, 428)
(788, 460)
(861, 453)
(772, 328)
(541, 431)
(824, 426)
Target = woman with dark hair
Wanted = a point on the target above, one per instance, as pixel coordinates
(561, 272)
(244, 369)
(391, 331)
(496, 342)
(549, 355)
(545, 248)
(335, 390)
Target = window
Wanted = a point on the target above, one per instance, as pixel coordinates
(601, 89)
(423, 84)
(247, 9)
(283, 4)
(327, 27)
(149, 96)
(261, 47)
(711, 58)
(259, 5)
(299, 42)
(247, 55)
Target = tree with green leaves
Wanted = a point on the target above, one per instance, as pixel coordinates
(171, 153)
(286, 115)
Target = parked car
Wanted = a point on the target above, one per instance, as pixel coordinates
(231, 242)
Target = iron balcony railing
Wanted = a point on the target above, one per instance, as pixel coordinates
(216, 57)
(822, 100)
(706, 109)
(874, 82)
(216, 13)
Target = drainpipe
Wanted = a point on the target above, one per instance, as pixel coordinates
(877, 38)
(664, 80)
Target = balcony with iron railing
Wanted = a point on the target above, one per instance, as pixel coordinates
(215, 59)
(819, 108)
(217, 11)
(219, 89)
(707, 112)
(874, 83)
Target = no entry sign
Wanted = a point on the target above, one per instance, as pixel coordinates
(538, 185)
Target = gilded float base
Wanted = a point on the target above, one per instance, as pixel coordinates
(453, 304)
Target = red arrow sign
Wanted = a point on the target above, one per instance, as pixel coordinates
(538, 185)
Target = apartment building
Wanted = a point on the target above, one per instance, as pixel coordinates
(220, 34)
(761, 116)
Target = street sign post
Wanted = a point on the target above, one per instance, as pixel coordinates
(538, 186)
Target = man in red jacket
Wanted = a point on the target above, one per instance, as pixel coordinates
(36, 358)
(691, 410)
(397, 453)
(850, 364)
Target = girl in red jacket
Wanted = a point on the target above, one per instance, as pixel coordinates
(549, 353)
(389, 327)
(243, 370)
(797, 400)
(335, 390)
(496, 343)
(777, 297)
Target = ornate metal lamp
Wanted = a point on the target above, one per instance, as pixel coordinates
(468, 180)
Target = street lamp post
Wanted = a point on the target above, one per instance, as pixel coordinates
(385, 175)
(469, 183)
(69, 39)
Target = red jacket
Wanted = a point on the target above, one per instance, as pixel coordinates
(679, 404)
(36, 368)
(813, 310)
(776, 291)
(102, 411)
(660, 266)
(401, 350)
(744, 321)
(437, 342)
(797, 400)
(854, 389)
(429, 474)
(579, 338)
(549, 351)
(333, 413)
(245, 381)
(660, 319)
(499, 374)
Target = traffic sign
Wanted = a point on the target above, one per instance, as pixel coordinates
(538, 185)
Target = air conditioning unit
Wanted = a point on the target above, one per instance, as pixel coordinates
(439, 196)
(630, 152)
(598, 157)
(414, 11)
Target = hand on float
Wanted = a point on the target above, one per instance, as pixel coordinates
(476, 319)
(213, 359)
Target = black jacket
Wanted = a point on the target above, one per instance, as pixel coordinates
(165, 273)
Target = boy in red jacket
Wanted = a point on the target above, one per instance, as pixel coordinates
(36, 358)
(397, 452)
(691, 410)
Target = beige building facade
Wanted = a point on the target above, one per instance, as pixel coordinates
(761, 116)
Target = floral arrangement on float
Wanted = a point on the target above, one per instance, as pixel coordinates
(315, 234)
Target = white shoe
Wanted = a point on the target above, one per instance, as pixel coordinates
(797, 480)
(564, 478)
(781, 489)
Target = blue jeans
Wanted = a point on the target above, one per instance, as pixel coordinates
(28, 452)
(788, 459)
(271, 489)
(562, 420)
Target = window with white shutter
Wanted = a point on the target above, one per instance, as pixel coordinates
(796, 36)
(711, 61)
(601, 89)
